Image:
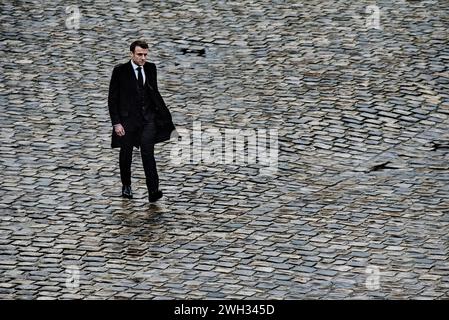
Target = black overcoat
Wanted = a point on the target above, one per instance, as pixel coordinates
(123, 102)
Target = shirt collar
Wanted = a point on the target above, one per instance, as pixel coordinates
(135, 66)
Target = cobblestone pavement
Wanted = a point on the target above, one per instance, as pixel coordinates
(359, 205)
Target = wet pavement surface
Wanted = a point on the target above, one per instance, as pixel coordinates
(355, 207)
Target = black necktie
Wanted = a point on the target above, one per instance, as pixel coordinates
(139, 77)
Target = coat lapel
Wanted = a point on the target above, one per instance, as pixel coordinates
(131, 75)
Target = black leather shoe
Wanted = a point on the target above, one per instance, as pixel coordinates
(154, 196)
(127, 192)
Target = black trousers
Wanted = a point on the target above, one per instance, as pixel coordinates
(146, 134)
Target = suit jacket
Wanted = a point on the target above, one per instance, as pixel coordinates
(123, 101)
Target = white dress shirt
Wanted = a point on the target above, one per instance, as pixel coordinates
(135, 66)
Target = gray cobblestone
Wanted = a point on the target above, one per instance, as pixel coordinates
(362, 118)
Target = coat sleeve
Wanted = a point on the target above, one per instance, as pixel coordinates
(155, 86)
(114, 97)
(155, 78)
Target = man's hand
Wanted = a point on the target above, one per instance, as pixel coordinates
(119, 130)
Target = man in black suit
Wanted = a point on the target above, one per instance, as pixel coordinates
(139, 117)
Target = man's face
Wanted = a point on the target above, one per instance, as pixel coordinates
(139, 56)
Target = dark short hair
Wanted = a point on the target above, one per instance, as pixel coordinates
(138, 43)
